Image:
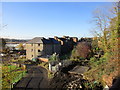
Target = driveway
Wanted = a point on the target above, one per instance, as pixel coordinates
(35, 79)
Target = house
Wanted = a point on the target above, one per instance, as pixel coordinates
(2, 44)
(86, 40)
(54, 66)
(56, 47)
(40, 46)
(67, 43)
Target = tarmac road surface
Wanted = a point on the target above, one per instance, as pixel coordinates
(35, 79)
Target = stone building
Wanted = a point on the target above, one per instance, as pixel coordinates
(39, 46)
(2, 44)
(67, 43)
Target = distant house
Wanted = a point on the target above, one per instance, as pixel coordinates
(12, 45)
(2, 44)
(39, 46)
(86, 40)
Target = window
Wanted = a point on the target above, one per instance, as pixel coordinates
(38, 44)
(32, 55)
(38, 50)
(31, 50)
(31, 44)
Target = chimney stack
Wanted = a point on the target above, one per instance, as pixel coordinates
(55, 37)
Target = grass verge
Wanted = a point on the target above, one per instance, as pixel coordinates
(46, 66)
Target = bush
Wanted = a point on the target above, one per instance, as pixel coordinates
(54, 57)
(82, 51)
(95, 62)
(95, 85)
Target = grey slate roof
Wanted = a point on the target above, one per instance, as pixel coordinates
(39, 40)
(43, 40)
(63, 39)
(54, 41)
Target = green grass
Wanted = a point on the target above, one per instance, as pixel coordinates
(18, 75)
(50, 75)
(20, 60)
(11, 74)
(9, 68)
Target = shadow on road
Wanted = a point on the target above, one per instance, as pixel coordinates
(36, 78)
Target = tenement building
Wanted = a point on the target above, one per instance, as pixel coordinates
(40, 46)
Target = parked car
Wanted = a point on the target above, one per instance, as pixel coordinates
(2, 54)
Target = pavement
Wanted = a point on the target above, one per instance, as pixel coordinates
(36, 78)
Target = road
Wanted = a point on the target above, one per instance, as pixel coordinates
(35, 79)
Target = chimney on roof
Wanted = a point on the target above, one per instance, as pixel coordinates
(66, 37)
(74, 39)
(55, 37)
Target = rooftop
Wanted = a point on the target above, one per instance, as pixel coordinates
(43, 40)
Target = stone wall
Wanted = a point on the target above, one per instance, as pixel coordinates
(32, 50)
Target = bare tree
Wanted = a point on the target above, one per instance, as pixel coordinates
(102, 18)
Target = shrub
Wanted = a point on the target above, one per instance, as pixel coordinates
(94, 85)
(54, 57)
(82, 51)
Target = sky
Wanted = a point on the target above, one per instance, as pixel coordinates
(26, 20)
